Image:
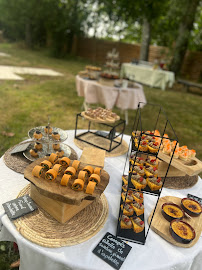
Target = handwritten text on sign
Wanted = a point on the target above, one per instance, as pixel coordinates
(19, 207)
(112, 250)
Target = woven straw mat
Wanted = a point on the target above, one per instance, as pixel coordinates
(39, 227)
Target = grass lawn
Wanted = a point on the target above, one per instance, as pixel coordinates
(26, 104)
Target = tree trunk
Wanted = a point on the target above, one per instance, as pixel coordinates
(146, 36)
(182, 41)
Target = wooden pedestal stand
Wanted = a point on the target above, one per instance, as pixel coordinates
(61, 202)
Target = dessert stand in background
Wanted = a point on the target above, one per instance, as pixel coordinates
(158, 121)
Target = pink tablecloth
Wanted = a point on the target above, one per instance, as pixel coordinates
(123, 98)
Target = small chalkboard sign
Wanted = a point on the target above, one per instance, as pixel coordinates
(112, 250)
(19, 207)
(199, 200)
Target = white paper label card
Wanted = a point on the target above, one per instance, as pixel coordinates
(112, 250)
(19, 207)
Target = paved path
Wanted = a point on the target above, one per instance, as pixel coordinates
(10, 72)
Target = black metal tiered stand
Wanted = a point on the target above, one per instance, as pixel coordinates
(116, 130)
(162, 124)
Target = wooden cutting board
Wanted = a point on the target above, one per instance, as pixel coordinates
(161, 226)
(191, 167)
(61, 193)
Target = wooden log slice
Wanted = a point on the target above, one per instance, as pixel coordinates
(61, 193)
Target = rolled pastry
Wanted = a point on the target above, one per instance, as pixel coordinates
(57, 168)
(53, 158)
(78, 185)
(90, 187)
(60, 153)
(34, 152)
(46, 164)
(50, 175)
(70, 170)
(37, 171)
(97, 171)
(95, 178)
(56, 146)
(65, 161)
(56, 135)
(65, 179)
(83, 175)
(89, 169)
(37, 135)
(76, 164)
(38, 146)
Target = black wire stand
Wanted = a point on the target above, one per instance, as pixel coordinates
(116, 130)
(161, 123)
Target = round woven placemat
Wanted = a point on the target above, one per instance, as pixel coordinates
(39, 227)
(181, 182)
(102, 142)
(17, 162)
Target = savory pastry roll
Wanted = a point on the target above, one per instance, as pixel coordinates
(46, 164)
(56, 135)
(60, 153)
(152, 161)
(154, 183)
(57, 168)
(65, 161)
(95, 178)
(34, 152)
(139, 161)
(138, 196)
(138, 224)
(48, 129)
(153, 147)
(37, 171)
(89, 169)
(70, 170)
(138, 181)
(65, 179)
(125, 187)
(125, 222)
(53, 158)
(56, 146)
(51, 175)
(125, 179)
(129, 197)
(150, 170)
(38, 146)
(139, 170)
(143, 145)
(90, 187)
(97, 171)
(76, 164)
(37, 135)
(138, 207)
(127, 209)
(78, 185)
(83, 175)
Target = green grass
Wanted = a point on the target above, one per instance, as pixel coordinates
(26, 104)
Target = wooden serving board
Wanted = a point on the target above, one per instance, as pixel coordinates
(191, 167)
(100, 120)
(161, 226)
(61, 193)
(93, 156)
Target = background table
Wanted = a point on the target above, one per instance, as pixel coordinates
(156, 254)
(147, 75)
(123, 98)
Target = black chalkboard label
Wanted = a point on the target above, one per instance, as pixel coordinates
(112, 250)
(199, 200)
(19, 207)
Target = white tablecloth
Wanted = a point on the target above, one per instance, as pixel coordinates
(123, 98)
(156, 254)
(147, 75)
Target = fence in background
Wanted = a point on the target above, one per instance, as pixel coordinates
(96, 49)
